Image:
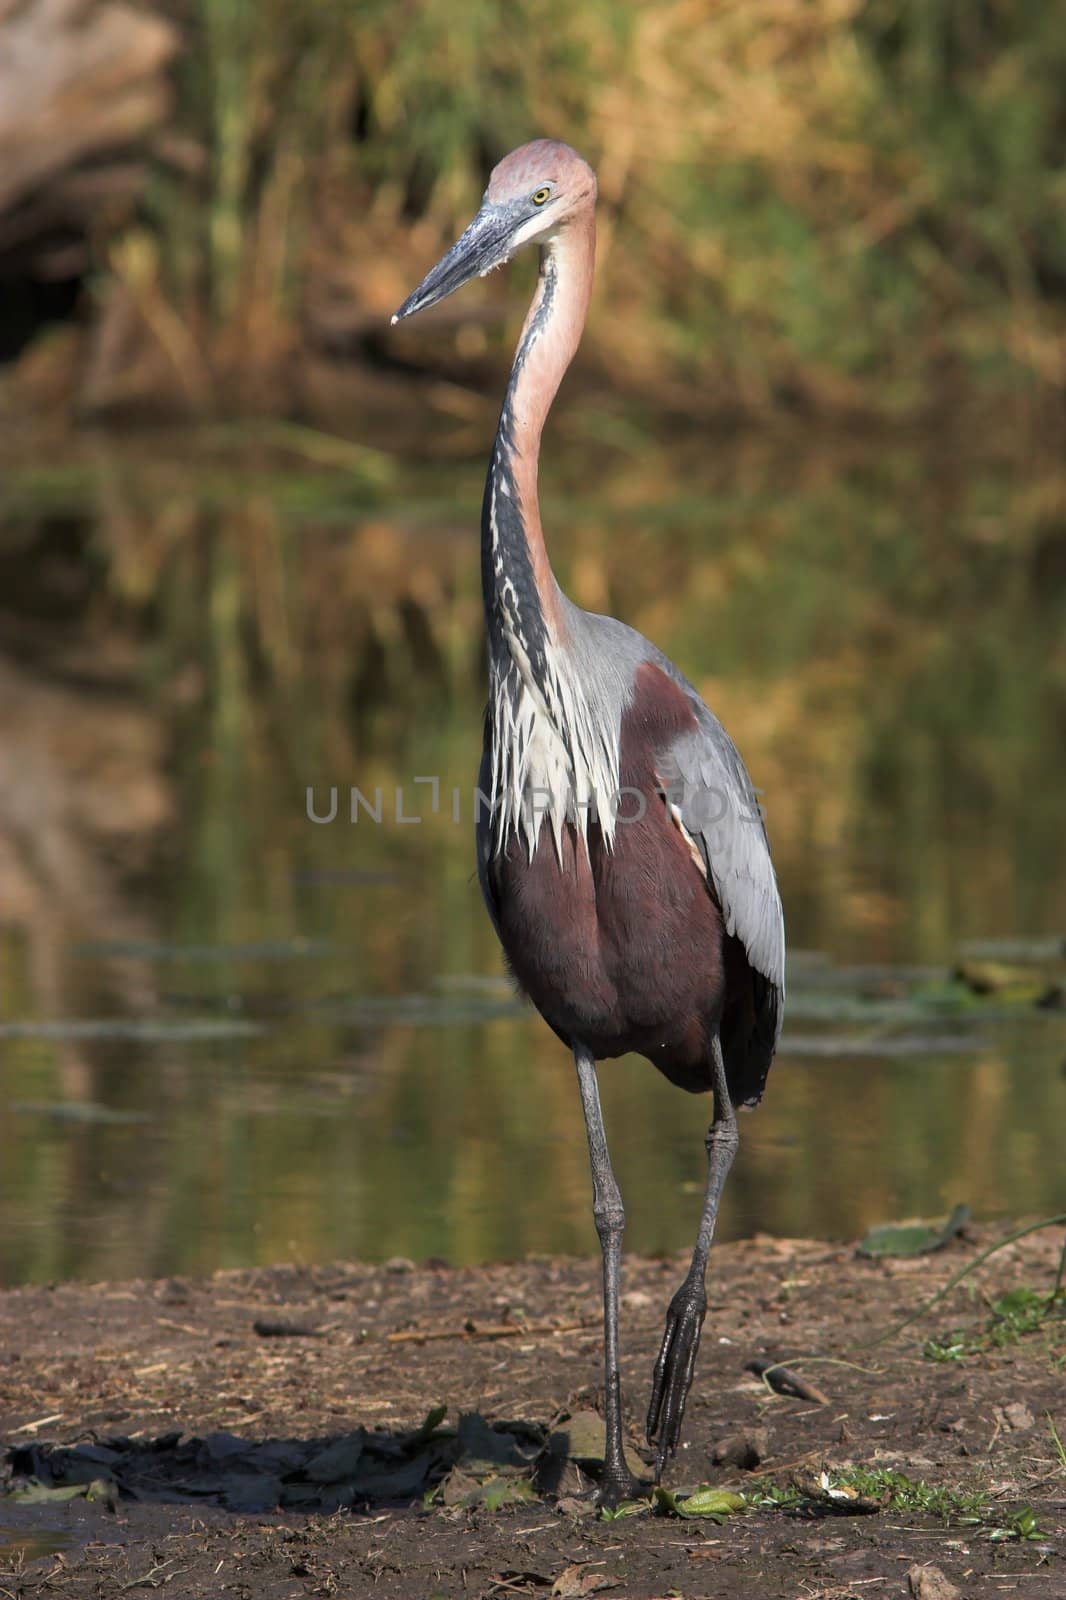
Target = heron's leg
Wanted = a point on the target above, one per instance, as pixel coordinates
(676, 1361)
(617, 1482)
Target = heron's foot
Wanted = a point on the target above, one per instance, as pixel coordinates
(676, 1362)
(618, 1485)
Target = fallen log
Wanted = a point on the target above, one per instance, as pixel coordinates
(83, 84)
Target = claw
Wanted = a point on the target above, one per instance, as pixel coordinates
(674, 1367)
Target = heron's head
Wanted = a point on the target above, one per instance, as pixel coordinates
(532, 195)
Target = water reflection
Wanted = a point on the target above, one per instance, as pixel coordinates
(312, 1051)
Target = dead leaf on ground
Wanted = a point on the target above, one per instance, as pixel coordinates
(584, 1439)
(572, 1506)
(578, 1579)
(842, 1499)
(929, 1583)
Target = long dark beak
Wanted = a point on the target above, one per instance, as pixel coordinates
(483, 246)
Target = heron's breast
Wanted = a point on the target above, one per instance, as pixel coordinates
(618, 946)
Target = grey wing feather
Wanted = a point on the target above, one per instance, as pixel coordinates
(705, 780)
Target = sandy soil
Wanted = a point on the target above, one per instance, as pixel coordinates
(264, 1434)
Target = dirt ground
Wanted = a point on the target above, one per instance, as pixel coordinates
(277, 1433)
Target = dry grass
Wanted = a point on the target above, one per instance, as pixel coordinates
(842, 206)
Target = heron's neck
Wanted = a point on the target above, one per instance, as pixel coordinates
(523, 602)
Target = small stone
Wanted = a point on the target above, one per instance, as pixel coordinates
(744, 1450)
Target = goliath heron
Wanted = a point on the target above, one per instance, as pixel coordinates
(623, 858)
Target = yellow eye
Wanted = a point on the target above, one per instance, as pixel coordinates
(539, 198)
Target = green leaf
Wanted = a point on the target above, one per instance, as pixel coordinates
(1018, 1300)
(703, 1502)
(625, 1508)
(913, 1238)
(707, 1502)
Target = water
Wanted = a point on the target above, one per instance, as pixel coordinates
(229, 1034)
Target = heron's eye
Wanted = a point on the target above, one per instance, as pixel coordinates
(541, 195)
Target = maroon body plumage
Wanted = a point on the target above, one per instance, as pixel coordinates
(622, 949)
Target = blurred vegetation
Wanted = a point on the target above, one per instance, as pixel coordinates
(847, 205)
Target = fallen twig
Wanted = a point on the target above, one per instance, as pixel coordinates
(502, 1330)
(786, 1466)
(179, 1327)
(39, 1422)
(155, 1578)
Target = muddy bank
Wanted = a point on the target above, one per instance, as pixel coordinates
(278, 1433)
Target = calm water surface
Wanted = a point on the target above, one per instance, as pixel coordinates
(229, 1034)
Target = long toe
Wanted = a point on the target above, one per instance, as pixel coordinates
(674, 1367)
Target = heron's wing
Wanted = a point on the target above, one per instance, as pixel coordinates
(711, 796)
